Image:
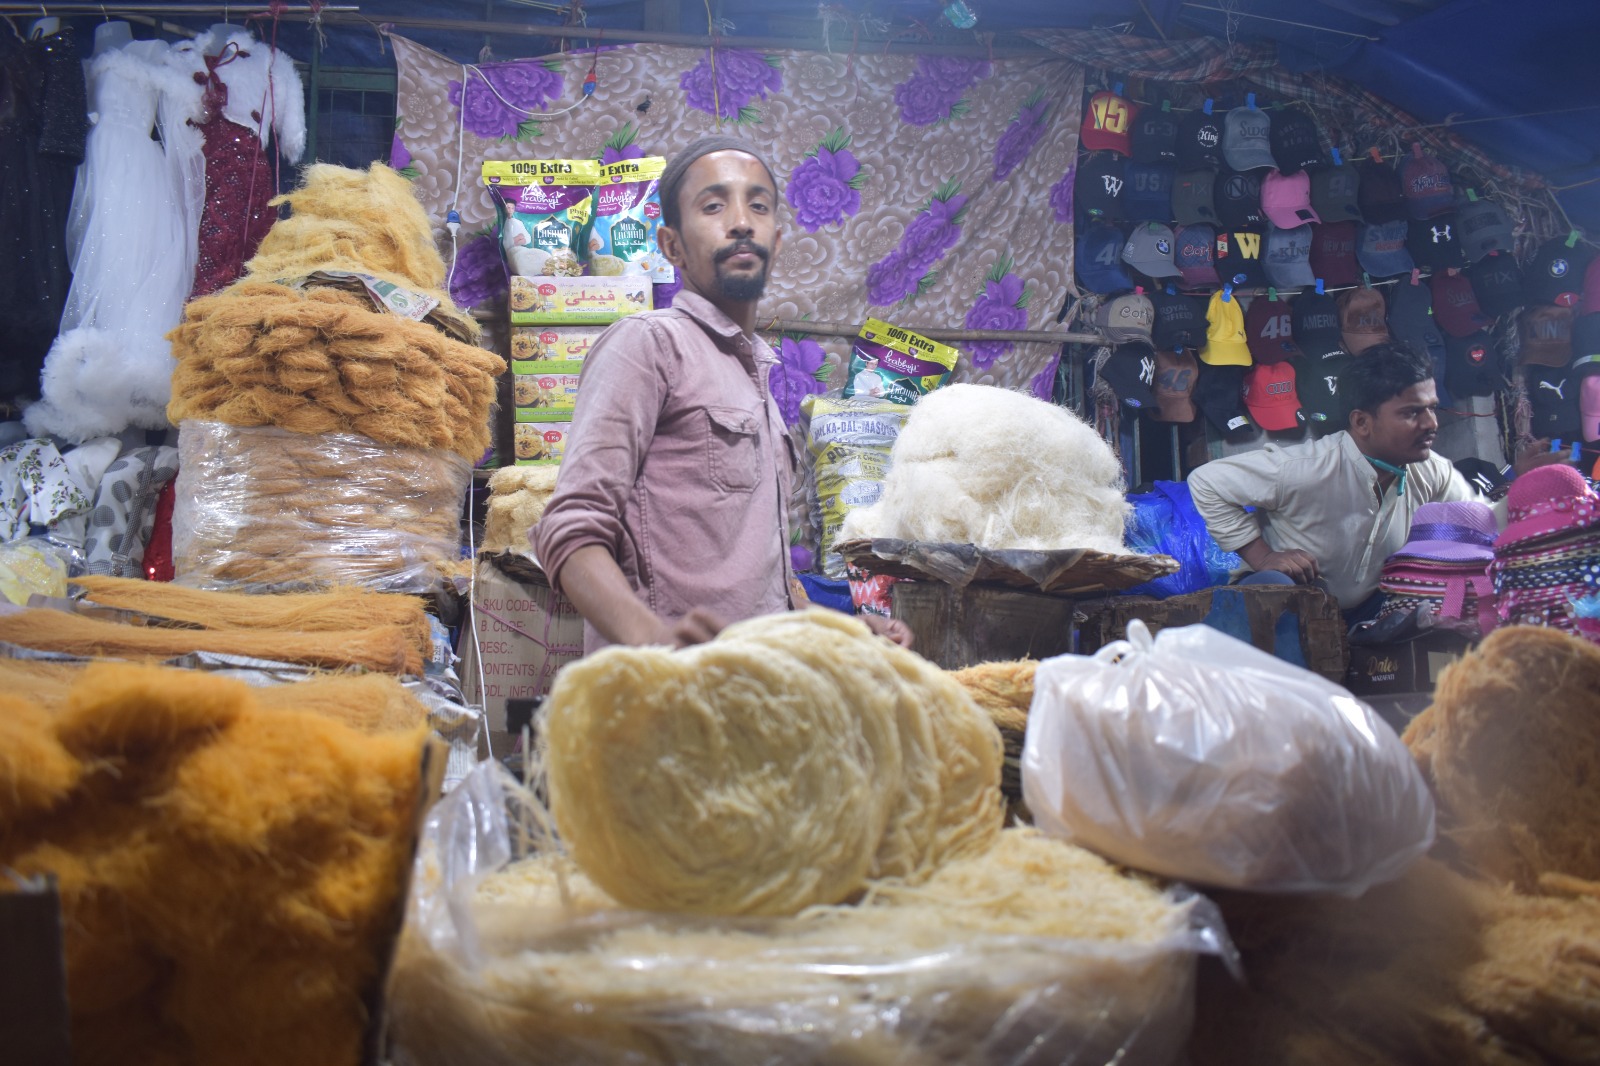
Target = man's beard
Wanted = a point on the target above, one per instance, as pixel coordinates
(745, 288)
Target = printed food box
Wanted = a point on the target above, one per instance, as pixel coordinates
(553, 342)
(577, 301)
(541, 437)
(545, 384)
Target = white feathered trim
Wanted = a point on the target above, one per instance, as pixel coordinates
(96, 383)
(264, 91)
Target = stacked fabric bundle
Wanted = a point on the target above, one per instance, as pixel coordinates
(1549, 554)
(1440, 576)
(331, 403)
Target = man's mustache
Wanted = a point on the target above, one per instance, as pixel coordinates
(742, 246)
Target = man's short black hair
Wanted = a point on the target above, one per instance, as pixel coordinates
(679, 164)
(1381, 373)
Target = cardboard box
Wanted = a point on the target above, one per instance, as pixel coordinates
(33, 975)
(545, 384)
(553, 342)
(1299, 625)
(541, 436)
(1396, 669)
(578, 301)
(524, 630)
(958, 627)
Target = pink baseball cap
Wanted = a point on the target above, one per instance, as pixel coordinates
(1589, 407)
(1286, 199)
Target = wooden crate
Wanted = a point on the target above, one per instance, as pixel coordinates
(957, 627)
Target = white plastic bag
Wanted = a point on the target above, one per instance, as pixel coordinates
(1198, 757)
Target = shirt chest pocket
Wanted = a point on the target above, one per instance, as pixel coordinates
(733, 448)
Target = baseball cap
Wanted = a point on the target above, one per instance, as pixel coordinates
(1107, 122)
(1425, 182)
(1269, 330)
(1455, 305)
(1474, 365)
(1271, 398)
(1100, 187)
(1316, 381)
(1286, 199)
(1219, 393)
(1590, 304)
(1335, 193)
(1553, 395)
(1381, 249)
(1247, 139)
(1363, 319)
(1149, 191)
(1196, 256)
(1412, 322)
(1193, 196)
(1589, 407)
(1546, 335)
(1315, 318)
(1125, 319)
(1557, 273)
(1239, 259)
(1225, 343)
(1099, 259)
(1175, 380)
(1497, 281)
(1149, 250)
(1238, 200)
(1586, 340)
(1484, 227)
(1333, 254)
(1288, 257)
(1381, 199)
(1130, 370)
(1434, 243)
(1483, 475)
(1178, 321)
(1155, 136)
(1294, 141)
(1199, 141)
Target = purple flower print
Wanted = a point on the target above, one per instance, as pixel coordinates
(795, 376)
(480, 275)
(932, 233)
(665, 291)
(924, 101)
(953, 71)
(525, 84)
(1018, 139)
(399, 154)
(890, 280)
(801, 558)
(1044, 382)
(740, 78)
(821, 190)
(996, 308)
(1061, 195)
(617, 155)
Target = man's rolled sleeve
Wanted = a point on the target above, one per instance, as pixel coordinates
(621, 390)
(1223, 488)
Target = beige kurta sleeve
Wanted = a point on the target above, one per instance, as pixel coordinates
(1223, 488)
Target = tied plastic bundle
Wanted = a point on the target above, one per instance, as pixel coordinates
(265, 509)
(998, 469)
(518, 496)
(1199, 757)
(1031, 953)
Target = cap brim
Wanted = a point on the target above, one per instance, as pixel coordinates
(1444, 551)
(1226, 353)
(1275, 418)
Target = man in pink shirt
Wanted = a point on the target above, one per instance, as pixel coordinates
(669, 517)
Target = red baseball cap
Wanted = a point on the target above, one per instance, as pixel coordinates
(1268, 330)
(1108, 123)
(1270, 396)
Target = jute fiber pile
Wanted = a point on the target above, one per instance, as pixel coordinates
(782, 765)
(230, 875)
(518, 496)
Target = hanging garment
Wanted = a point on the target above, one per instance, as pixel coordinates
(132, 243)
(42, 130)
(249, 89)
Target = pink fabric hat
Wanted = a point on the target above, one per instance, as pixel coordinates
(1546, 502)
(1589, 406)
(1459, 532)
(1286, 199)
(1591, 288)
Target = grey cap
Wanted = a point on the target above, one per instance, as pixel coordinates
(1194, 197)
(1335, 192)
(1288, 257)
(1484, 228)
(1247, 139)
(1125, 319)
(679, 164)
(1149, 250)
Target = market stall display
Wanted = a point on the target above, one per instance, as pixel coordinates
(517, 499)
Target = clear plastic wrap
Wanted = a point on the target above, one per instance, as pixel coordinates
(265, 509)
(1199, 757)
(487, 974)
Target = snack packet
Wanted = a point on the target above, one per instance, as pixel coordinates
(545, 209)
(897, 364)
(626, 215)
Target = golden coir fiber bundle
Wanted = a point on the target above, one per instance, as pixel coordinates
(698, 780)
(361, 221)
(388, 649)
(323, 361)
(518, 496)
(1511, 747)
(230, 876)
(305, 612)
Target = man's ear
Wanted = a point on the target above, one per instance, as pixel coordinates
(671, 245)
(1360, 424)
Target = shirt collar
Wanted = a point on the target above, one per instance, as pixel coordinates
(711, 317)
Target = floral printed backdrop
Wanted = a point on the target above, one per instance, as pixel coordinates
(927, 191)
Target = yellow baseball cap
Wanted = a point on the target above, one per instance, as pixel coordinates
(1225, 343)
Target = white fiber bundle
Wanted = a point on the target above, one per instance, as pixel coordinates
(999, 469)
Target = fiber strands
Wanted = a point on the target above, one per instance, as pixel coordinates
(781, 765)
(1511, 749)
(1028, 953)
(518, 496)
(271, 510)
(324, 361)
(1004, 690)
(230, 876)
(986, 466)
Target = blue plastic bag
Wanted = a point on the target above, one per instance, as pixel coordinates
(1165, 522)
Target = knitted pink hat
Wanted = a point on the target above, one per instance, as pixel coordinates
(1547, 502)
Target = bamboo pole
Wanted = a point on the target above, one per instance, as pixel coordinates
(1021, 336)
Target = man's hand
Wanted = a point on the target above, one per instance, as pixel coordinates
(697, 627)
(1296, 562)
(892, 628)
(1535, 454)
